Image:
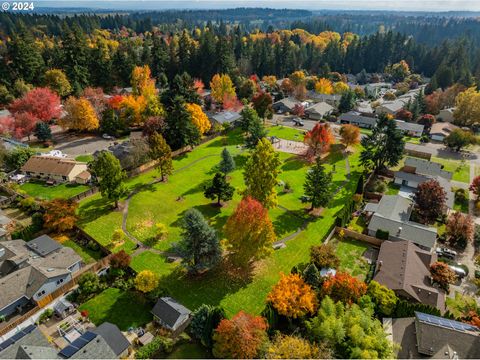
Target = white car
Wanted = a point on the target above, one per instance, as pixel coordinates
(108, 137)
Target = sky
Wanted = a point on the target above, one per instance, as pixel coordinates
(405, 5)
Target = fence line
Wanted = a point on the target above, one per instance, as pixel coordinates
(361, 237)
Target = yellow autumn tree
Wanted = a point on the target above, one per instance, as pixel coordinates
(293, 347)
(141, 81)
(324, 86)
(221, 86)
(467, 111)
(270, 81)
(297, 78)
(340, 88)
(199, 118)
(132, 109)
(80, 115)
(146, 281)
(293, 297)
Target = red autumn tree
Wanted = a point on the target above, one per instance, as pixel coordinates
(199, 86)
(60, 214)
(7, 125)
(42, 103)
(249, 232)
(242, 337)
(460, 229)
(427, 120)
(120, 260)
(115, 102)
(430, 199)
(298, 110)
(442, 274)
(403, 114)
(230, 102)
(475, 186)
(262, 103)
(154, 124)
(343, 287)
(318, 140)
(97, 98)
(24, 125)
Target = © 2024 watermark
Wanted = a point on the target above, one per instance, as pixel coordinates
(20, 6)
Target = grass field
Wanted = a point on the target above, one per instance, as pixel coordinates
(49, 192)
(460, 169)
(350, 252)
(285, 132)
(124, 309)
(166, 203)
(88, 256)
(190, 351)
(84, 158)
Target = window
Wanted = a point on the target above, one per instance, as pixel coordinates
(41, 293)
(59, 281)
(64, 177)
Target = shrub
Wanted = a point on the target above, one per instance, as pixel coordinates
(205, 320)
(158, 346)
(323, 256)
(47, 314)
(382, 234)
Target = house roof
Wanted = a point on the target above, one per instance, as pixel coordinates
(170, 312)
(313, 95)
(50, 165)
(320, 108)
(353, 116)
(426, 167)
(88, 346)
(287, 102)
(43, 245)
(226, 117)
(442, 128)
(113, 337)
(408, 126)
(28, 343)
(403, 266)
(393, 214)
(84, 175)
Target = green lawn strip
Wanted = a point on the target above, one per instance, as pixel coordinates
(88, 256)
(358, 224)
(350, 252)
(412, 139)
(148, 260)
(287, 133)
(189, 351)
(47, 192)
(460, 304)
(84, 158)
(392, 188)
(122, 308)
(460, 169)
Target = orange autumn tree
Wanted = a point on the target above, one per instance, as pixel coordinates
(324, 86)
(318, 140)
(132, 109)
(80, 115)
(141, 81)
(350, 135)
(249, 232)
(242, 337)
(343, 287)
(199, 118)
(60, 214)
(292, 297)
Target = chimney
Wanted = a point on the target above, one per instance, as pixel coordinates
(399, 231)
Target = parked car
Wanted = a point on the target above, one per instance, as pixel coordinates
(461, 273)
(445, 252)
(298, 122)
(108, 137)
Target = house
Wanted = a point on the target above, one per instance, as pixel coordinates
(391, 107)
(28, 343)
(52, 168)
(416, 171)
(446, 115)
(171, 314)
(63, 308)
(225, 117)
(429, 336)
(285, 105)
(319, 110)
(331, 99)
(374, 90)
(392, 215)
(405, 268)
(114, 338)
(441, 130)
(410, 129)
(29, 272)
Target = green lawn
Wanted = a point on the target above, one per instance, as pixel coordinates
(48, 192)
(350, 252)
(88, 256)
(285, 132)
(122, 308)
(460, 169)
(190, 351)
(392, 188)
(461, 304)
(84, 158)
(459, 205)
(358, 224)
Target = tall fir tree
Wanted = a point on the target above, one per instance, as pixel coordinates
(180, 131)
(227, 164)
(317, 185)
(219, 189)
(162, 154)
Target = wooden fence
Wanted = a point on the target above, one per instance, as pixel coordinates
(361, 237)
(419, 154)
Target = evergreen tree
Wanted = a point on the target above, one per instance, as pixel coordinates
(312, 276)
(219, 189)
(256, 132)
(317, 185)
(347, 101)
(180, 131)
(75, 54)
(227, 164)
(199, 246)
(43, 131)
(109, 176)
(161, 152)
(205, 320)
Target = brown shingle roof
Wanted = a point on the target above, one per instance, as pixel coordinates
(49, 165)
(84, 175)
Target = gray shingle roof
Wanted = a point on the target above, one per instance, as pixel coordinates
(226, 117)
(426, 167)
(43, 245)
(408, 126)
(170, 312)
(356, 117)
(113, 337)
(33, 339)
(320, 108)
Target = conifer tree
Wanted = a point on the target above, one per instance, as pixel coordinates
(227, 164)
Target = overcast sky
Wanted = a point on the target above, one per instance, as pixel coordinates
(422, 5)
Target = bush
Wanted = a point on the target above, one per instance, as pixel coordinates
(29, 204)
(47, 314)
(382, 234)
(407, 309)
(345, 215)
(476, 236)
(158, 346)
(461, 195)
(205, 320)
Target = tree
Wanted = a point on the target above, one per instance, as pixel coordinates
(475, 186)
(458, 139)
(324, 86)
(88, 283)
(17, 157)
(146, 281)
(249, 232)
(383, 147)
(242, 337)
(60, 214)
(343, 287)
(427, 120)
(42, 103)
(180, 131)
(247, 89)
(460, 229)
(219, 189)
(220, 86)
(255, 132)
(404, 114)
(248, 116)
(80, 115)
(292, 297)
(430, 199)
(120, 260)
(312, 276)
(261, 172)
(110, 123)
(317, 185)
(341, 88)
(318, 140)
(205, 319)
(350, 135)
(227, 164)
(43, 131)
(442, 274)
(109, 176)
(199, 118)
(298, 110)
(467, 107)
(398, 71)
(384, 298)
(162, 154)
(347, 101)
(199, 246)
(23, 125)
(262, 103)
(56, 80)
(293, 347)
(324, 256)
(5, 96)
(351, 330)
(141, 81)
(97, 99)
(153, 124)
